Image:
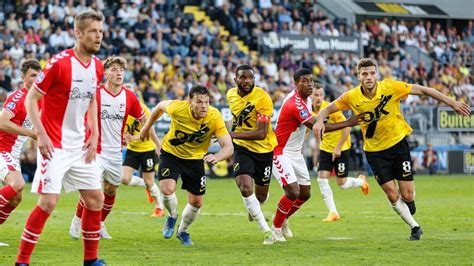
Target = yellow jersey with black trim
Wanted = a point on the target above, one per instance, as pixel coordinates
(331, 139)
(187, 137)
(244, 118)
(383, 124)
(133, 126)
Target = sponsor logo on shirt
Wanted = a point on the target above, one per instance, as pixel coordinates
(181, 137)
(104, 115)
(76, 94)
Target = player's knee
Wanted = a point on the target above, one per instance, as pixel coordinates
(15, 201)
(408, 197)
(245, 189)
(261, 197)
(305, 196)
(126, 180)
(392, 196)
(48, 205)
(196, 203)
(292, 194)
(18, 183)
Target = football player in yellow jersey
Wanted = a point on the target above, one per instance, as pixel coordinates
(254, 141)
(384, 130)
(142, 155)
(334, 154)
(183, 153)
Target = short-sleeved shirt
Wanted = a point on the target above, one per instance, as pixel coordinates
(15, 104)
(245, 111)
(68, 86)
(113, 110)
(187, 137)
(331, 139)
(133, 127)
(383, 124)
(290, 129)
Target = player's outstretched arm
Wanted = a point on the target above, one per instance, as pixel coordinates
(93, 140)
(153, 137)
(460, 108)
(257, 134)
(156, 113)
(45, 145)
(8, 126)
(227, 149)
(319, 126)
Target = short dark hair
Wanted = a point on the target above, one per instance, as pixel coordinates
(30, 63)
(198, 89)
(365, 62)
(243, 67)
(301, 72)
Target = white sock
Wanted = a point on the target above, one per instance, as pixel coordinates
(190, 214)
(327, 194)
(156, 195)
(253, 207)
(137, 181)
(352, 182)
(401, 208)
(171, 204)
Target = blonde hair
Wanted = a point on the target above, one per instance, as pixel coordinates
(122, 62)
(80, 19)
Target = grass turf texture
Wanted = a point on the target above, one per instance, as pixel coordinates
(369, 232)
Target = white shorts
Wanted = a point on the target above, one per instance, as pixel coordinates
(110, 168)
(66, 168)
(7, 164)
(290, 168)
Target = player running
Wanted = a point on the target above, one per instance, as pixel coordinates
(385, 130)
(289, 165)
(254, 141)
(183, 153)
(334, 154)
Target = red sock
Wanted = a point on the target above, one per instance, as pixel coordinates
(6, 193)
(296, 206)
(33, 228)
(284, 207)
(91, 233)
(80, 207)
(107, 207)
(5, 212)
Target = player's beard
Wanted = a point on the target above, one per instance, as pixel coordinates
(241, 88)
(91, 49)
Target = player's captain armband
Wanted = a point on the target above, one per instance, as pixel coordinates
(263, 118)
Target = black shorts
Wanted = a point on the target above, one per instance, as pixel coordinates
(392, 163)
(340, 165)
(256, 165)
(191, 172)
(145, 160)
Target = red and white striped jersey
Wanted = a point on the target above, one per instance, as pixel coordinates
(68, 86)
(113, 112)
(15, 104)
(290, 130)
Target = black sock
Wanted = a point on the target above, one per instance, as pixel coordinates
(89, 262)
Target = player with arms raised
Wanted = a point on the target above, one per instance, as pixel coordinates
(384, 130)
(65, 156)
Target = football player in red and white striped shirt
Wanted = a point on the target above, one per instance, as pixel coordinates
(15, 128)
(289, 165)
(115, 103)
(67, 89)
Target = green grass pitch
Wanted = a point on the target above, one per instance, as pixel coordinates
(369, 232)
